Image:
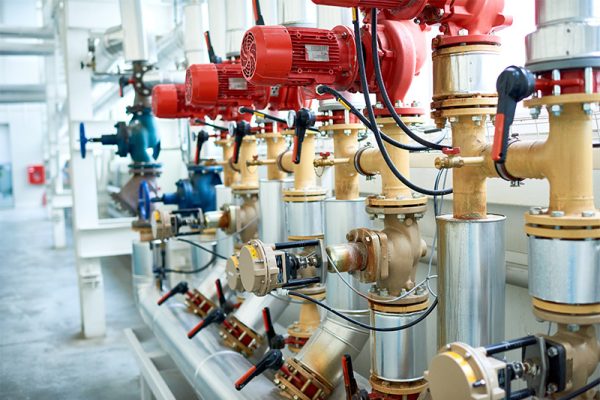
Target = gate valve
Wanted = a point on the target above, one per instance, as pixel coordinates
(238, 130)
(304, 119)
(325, 155)
(274, 340)
(181, 288)
(218, 315)
(272, 360)
(352, 390)
(200, 140)
(514, 84)
(144, 201)
(104, 139)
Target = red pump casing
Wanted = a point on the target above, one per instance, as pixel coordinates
(168, 101)
(273, 55)
(478, 17)
(222, 85)
(296, 56)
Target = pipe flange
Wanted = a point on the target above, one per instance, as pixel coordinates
(280, 163)
(357, 166)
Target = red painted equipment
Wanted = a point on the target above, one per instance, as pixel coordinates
(168, 101)
(306, 57)
(36, 174)
(223, 85)
(477, 17)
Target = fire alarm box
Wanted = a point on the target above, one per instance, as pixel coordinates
(36, 174)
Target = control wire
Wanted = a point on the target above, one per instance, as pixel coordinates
(196, 244)
(371, 114)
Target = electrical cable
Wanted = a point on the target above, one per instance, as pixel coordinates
(193, 271)
(384, 94)
(324, 89)
(195, 244)
(378, 138)
(363, 325)
(581, 390)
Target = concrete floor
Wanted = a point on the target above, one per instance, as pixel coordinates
(42, 352)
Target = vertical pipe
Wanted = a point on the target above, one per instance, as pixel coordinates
(136, 41)
(471, 283)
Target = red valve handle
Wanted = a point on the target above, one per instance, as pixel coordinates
(180, 288)
(273, 360)
(195, 330)
(353, 392)
(215, 316)
(514, 84)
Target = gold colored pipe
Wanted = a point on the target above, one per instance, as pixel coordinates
(275, 146)
(565, 159)
(344, 148)
(249, 175)
(230, 176)
(372, 162)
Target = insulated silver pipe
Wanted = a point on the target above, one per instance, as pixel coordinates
(471, 283)
(22, 32)
(45, 48)
(341, 216)
(271, 229)
(136, 41)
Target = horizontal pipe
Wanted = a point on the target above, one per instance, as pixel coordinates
(22, 32)
(11, 94)
(26, 49)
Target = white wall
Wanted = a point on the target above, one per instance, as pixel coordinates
(26, 121)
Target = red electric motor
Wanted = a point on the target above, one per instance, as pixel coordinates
(273, 55)
(168, 101)
(307, 57)
(222, 85)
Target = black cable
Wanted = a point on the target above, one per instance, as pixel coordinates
(324, 89)
(384, 94)
(378, 139)
(193, 271)
(581, 390)
(191, 242)
(363, 325)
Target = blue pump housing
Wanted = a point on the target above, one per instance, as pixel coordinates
(198, 191)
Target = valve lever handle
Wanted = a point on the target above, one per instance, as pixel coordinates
(180, 288)
(241, 129)
(273, 359)
(352, 390)
(216, 316)
(201, 139)
(305, 119)
(220, 293)
(514, 84)
(275, 341)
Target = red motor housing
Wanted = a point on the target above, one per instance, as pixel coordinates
(272, 55)
(222, 85)
(168, 101)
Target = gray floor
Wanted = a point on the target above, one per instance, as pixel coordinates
(42, 353)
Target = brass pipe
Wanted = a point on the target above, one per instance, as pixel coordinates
(371, 162)
(249, 175)
(230, 176)
(565, 159)
(330, 162)
(305, 176)
(275, 146)
(469, 184)
(259, 162)
(345, 146)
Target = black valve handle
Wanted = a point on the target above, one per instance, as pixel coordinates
(180, 288)
(301, 282)
(260, 114)
(200, 140)
(212, 56)
(242, 128)
(273, 359)
(514, 84)
(297, 244)
(352, 390)
(216, 316)
(258, 17)
(305, 119)
(215, 126)
(275, 341)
